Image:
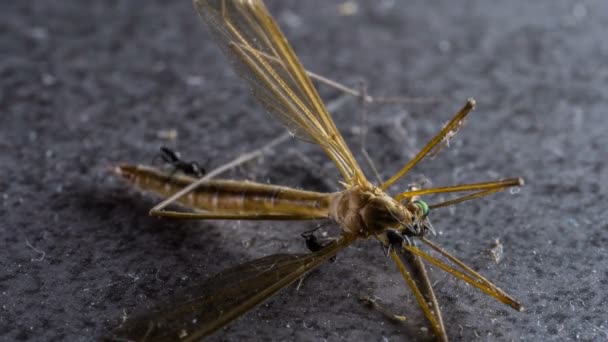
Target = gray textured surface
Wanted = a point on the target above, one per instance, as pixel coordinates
(85, 85)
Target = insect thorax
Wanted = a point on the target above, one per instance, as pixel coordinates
(368, 212)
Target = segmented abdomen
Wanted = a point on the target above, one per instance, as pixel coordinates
(232, 197)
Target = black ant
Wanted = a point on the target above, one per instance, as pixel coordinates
(191, 168)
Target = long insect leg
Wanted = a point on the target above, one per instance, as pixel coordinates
(417, 279)
(448, 131)
(421, 277)
(422, 283)
(464, 198)
(469, 275)
(486, 187)
(364, 123)
(366, 98)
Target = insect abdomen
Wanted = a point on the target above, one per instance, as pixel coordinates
(232, 197)
(248, 197)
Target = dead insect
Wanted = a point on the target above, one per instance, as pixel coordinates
(251, 39)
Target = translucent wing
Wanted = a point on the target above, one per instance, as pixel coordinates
(260, 53)
(205, 308)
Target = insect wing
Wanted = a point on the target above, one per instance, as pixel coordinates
(260, 53)
(203, 309)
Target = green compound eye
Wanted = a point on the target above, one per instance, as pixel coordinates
(422, 204)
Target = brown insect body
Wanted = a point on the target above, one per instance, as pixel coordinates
(233, 198)
(247, 34)
(359, 211)
(368, 212)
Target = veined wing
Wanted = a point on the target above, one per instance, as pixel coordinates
(260, 53)
(205, 308)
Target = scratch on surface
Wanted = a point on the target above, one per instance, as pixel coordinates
(129, 275)
(42, 253)
(132, 276)
(124, 315)
(300, 283)
(573, 307)
(600, 328)
(101, 286)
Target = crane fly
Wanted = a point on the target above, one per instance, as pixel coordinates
(260, 53)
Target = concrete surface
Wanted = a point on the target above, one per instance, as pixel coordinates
(86, 85)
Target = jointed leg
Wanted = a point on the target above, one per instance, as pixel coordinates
(364, 123)
(449, 130)
(365, 97)
(469, 275)
(486, 187)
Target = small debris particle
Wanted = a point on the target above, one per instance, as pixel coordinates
(348, 8)
(497, 251)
